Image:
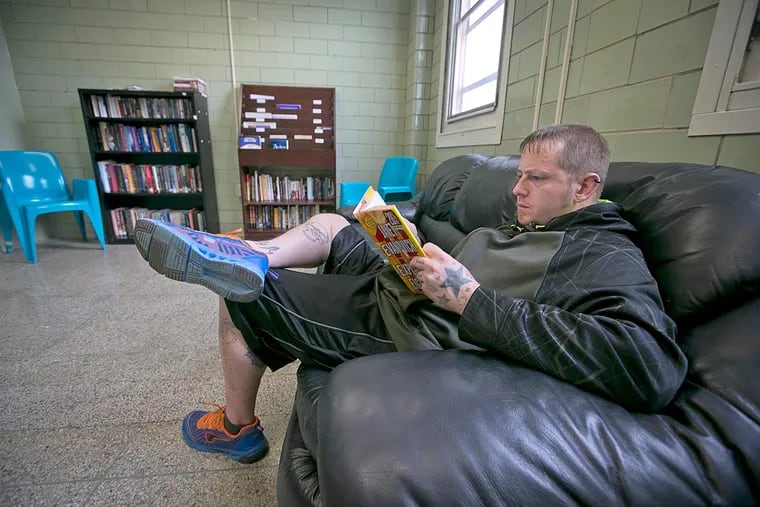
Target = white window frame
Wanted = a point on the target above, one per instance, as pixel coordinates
(725, 54)
(480, 127)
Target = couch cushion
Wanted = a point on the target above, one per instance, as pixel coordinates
(474, 430)
(486, 198)
(699, 232)
(437, 196)
(439, 232)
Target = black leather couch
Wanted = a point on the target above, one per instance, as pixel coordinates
(462, 428)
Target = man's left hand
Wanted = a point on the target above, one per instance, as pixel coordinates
(444, 279)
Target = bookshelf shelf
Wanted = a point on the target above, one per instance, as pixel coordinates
(160, 162)
(286, 148)
(289, 203)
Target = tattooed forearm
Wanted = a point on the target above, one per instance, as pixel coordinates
(264, 247)
(455, 280)
(315, 233)
(258, 363)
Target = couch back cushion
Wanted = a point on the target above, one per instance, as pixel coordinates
(486, 199)
(437, 196)
(699, 232)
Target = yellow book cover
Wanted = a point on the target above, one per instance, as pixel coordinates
(393, 237)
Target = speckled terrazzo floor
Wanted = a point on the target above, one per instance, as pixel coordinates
(100, 358)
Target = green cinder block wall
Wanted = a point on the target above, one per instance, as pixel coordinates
(359, 47)
(633, 74)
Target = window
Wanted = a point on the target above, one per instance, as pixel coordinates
(476, 53)
(728, 98)
(474, 75)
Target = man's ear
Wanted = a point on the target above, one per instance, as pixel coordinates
(589, 186)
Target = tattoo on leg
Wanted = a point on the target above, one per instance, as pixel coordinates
(228, 333)
(265, 247)
(258, 363)
(315, 233)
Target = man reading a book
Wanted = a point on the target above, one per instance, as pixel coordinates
(564, 291)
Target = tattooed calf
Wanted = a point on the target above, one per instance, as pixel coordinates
(258, 363)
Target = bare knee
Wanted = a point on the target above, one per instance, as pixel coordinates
(321, 229)
(331, 223)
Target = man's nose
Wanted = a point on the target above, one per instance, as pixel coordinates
(518, 189)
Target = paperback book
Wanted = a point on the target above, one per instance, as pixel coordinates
(394, 238)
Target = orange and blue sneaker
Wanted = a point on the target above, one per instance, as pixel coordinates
(205, 432)
(224, 264)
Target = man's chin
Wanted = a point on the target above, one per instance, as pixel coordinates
(523, 219)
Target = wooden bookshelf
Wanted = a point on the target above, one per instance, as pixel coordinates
(151, 156)
(283, 186)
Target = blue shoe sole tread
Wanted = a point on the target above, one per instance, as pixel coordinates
(174, 257)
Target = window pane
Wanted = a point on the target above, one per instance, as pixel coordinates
(479, 96)
(476, 54)
(481, 10)
(482, 48)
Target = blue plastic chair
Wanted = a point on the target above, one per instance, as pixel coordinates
(351, 192)
(33, 184)
(398, 178)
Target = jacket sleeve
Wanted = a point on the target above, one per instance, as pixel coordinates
(611, 338)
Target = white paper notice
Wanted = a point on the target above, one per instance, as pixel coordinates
(278, 136)
(260, 109)
(283, 116)
(318, 130)
(316, 111)
(317, 121)
(317, 102)
(261, 97)
(319, 140)
(302, 136)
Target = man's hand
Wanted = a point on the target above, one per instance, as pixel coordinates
(444, 279)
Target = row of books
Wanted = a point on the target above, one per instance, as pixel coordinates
(266, 187)
(279, 217)
(172, 138)
(123, 219)
(117, 177)
(112, 106)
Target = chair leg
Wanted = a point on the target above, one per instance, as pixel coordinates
(30, 252)
(79, 216)
(17, 217)
(97, 225)
(6, 226)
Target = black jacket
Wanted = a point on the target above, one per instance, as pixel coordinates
(574, 299)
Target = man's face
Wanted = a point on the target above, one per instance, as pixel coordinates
(543, 189)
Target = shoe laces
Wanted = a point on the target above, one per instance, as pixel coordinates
(214, 420)
(234, 234)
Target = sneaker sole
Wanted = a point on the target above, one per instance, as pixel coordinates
(240, 458)
(256, 455)
(175, 258)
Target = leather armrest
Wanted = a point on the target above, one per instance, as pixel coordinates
(462, 428)
(347, 212)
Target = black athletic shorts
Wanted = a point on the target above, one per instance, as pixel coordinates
(322, 320)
